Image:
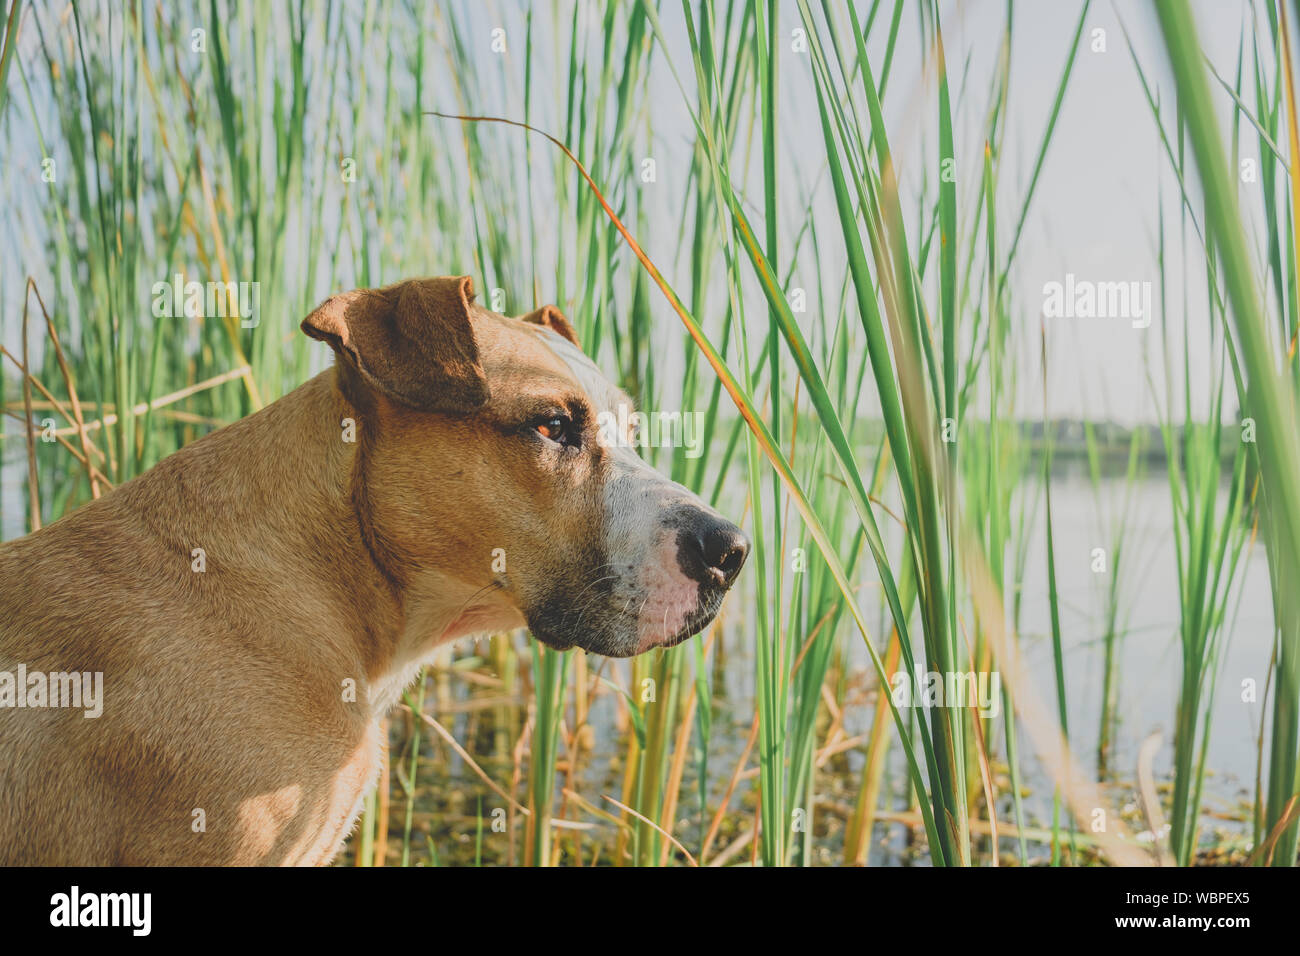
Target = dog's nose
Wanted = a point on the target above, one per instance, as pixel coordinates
(712, 551)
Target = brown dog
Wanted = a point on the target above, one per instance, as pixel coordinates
(256, 602)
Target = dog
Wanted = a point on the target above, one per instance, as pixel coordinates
(258, 601)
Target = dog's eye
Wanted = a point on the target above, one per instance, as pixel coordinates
(558, 429)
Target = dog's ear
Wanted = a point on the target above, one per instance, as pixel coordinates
(550, 317)
(413, 341)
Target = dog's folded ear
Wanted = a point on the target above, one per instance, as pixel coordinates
(550, 317)
(414, 341)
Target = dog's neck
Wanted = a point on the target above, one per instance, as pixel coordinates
(437, 605)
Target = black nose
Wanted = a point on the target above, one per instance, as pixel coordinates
(711, 550)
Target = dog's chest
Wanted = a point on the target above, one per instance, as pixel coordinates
(339, 804)
(305, 822)
(355, 783)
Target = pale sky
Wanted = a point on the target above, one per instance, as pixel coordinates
(1094, 214)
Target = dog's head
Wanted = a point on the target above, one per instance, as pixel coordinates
(486, 458)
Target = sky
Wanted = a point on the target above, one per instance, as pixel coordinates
(1094, 216)
(1097, 204)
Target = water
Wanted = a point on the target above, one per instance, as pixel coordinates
(1149, 668)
